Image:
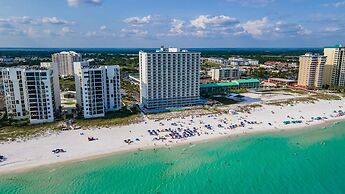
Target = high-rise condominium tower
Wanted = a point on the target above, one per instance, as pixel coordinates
(32, 93)
(334, 73)
(97, 88)
(311, 70)
(64, 61)
(169, 78)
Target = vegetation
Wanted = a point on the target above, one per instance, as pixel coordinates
(224, 100)
(13, 133)
(323, 96)
(239, 91)
(67, 84)
(123, 117)
(263, 73)
(248, 108)
(132, 93)
(296, 91)
(293, 101)
(208, 64)
(69, 103)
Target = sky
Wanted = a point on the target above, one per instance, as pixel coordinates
(178, 23)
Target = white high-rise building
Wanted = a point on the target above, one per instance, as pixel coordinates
(32, 93)
(169, 78)
(64, 61)
(97, 88)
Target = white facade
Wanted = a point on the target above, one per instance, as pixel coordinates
(31, 93)
(97, 88)
(242, 62)
(217, 60)
(64, 61)
(169, 78)
(225, 73)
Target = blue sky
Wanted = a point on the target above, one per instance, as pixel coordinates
(181, 23)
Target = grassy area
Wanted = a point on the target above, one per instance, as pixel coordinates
(239, 91)
(207, 64)
(326, 96)
(67, 84)
(293, 101)
(132, 92)
(223, 100)
(11, 133)
(69, 103)
(295, 91)
(248, 108)
(123, 117)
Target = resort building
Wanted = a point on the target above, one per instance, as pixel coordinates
(32, 93)
(64, 61)
(169, 78)
(223, 87)
(311, 70)
(217, 60)
(282, 81)
(226, 73)
(334, 72)
(242, 62)
(97, 88)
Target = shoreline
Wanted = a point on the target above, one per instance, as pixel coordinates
(30, 168)
(182, 129)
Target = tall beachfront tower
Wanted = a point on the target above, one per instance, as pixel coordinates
(335, 65)
(64, 61)
(311, 70)
(32, 93)
(97, 88)
(169, 78)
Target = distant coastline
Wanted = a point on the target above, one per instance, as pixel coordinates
(136, 50)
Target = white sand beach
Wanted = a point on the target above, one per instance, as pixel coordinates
(38, 151)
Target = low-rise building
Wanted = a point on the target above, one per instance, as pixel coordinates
(282, 81)
(222, 87)
(97, 88)
(226, 73)
(242, 62)
(217, 60)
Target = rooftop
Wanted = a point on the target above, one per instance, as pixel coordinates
(228, 84)
(246, 81)
(221, 84)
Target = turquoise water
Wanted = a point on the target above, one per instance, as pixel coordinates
(307, 161)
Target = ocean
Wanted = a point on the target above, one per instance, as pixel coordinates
(301, 161)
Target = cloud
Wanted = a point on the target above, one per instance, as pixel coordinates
(177, 26)
(263, 27)
(55, 20)
(256, 27)
(290, 29)
(205, 21)
(60, 32)
(25, 20)
(331, 29)
(134, 32)
(76, 3)
(138, 21)
(253, 3)
(103, 28)
(335, 4)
